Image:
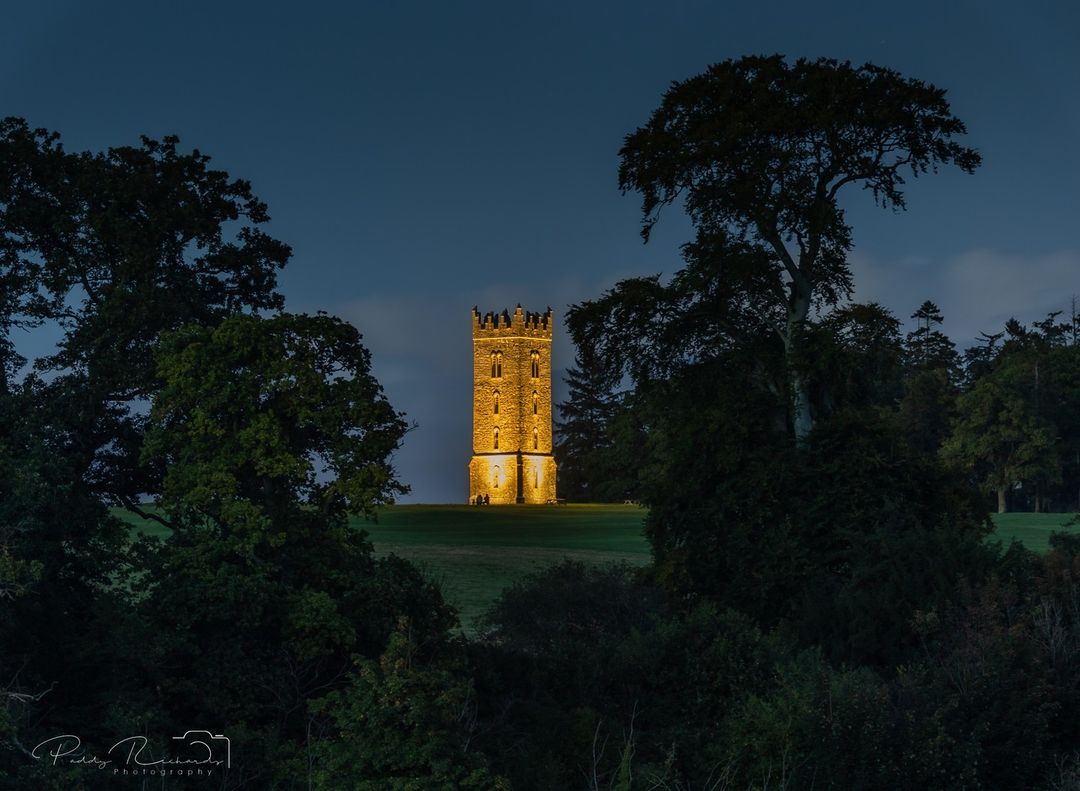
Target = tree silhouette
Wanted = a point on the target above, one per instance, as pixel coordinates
(927, 347)
(760, 149)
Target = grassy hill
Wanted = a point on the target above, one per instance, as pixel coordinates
(476, 552)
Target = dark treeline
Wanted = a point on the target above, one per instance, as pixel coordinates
(824, 608)
(1004, 411)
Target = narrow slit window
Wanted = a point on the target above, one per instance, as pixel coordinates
(495, 477)
(536, 438)
(496, 437)
(536, 403)
(495, 403)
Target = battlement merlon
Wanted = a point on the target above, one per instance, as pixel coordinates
(521, 324)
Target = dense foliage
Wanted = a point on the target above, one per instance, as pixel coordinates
(598, 679)
(823, 610)
(257, 433)
(813, 470)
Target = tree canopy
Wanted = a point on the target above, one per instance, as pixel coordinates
(258, 433)
(117, 247)
(257, 416)
(759, 149)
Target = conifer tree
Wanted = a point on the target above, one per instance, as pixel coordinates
(928, 347)
(582, 434)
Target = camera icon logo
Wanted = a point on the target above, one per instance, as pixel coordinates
(205, 747)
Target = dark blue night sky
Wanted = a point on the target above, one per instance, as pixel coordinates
(425, 157)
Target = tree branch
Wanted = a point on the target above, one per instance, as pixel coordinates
(132, 506)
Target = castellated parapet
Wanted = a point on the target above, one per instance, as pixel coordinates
(494, 325)
(512, 418)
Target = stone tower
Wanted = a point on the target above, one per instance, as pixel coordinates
(512, 460)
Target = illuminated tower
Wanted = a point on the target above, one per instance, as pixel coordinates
(512, 460)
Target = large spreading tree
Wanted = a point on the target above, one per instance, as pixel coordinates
(111, 248)
(766, 442)
(176, 377)
(760, 150)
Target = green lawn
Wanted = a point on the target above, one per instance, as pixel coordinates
(1032, 530)
(475, 552)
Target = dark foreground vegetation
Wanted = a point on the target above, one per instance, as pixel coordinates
(823, 609)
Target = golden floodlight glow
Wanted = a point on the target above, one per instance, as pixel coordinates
(512, 458)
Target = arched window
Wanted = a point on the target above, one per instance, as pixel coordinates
(496, 437)
(496, 365)
(536, 403)
(535, 365)
(495, 477)
(536, 438)
(495, 403)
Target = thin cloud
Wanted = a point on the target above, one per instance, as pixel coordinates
(977, 291)
(421, 349)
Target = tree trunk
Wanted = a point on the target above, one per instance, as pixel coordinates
(799, 308)
(801, 418)
(1002, 506)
